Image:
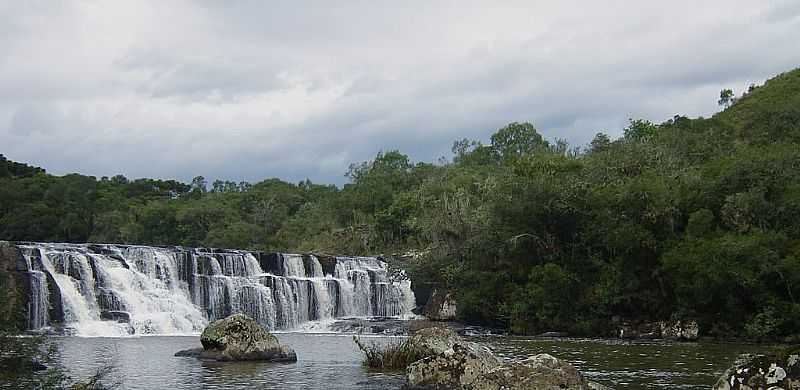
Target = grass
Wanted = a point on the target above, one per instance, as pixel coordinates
(392, 356)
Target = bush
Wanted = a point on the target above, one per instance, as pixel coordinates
(393, 356)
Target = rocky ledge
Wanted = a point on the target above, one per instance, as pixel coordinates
(453, 363)
(239, 338)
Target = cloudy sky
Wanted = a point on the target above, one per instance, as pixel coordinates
(246, 90)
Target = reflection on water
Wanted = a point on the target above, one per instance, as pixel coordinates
(332, 361)
(324, 361)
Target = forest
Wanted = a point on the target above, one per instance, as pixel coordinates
(691, 218)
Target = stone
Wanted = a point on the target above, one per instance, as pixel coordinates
(239, 338)
(440, 307)
(762, 372)
(455, 368)
(116, 315)
(539, 372)
(680, 330)
(453, 363)
(686, 330)
(434, 340)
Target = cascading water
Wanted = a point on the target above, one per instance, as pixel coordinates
(117, 290)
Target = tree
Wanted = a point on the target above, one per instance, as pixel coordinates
(726, 98)
(599, 143)
(639, 129)
(517, 140)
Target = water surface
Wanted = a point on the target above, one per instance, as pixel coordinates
(332, 361)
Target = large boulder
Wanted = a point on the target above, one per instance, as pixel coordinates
(455, 368)
(440, 307)
(238, 338)
(434, 340)
(453, 363)
(539, 372)
(762, 372)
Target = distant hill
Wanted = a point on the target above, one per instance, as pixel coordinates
(767, 113)
(10, 168)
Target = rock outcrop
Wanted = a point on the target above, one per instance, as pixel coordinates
(239, 338)
(453, 363)
(440, 307)
(14, 289)
(541, 372)
(671, 330)
(455, 368)
(680, 330)
(762, 372)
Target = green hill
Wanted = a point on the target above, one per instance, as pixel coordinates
(768, 113)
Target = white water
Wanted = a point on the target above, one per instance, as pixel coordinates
(108, 290)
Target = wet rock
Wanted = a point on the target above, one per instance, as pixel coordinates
(680, 330)
(440, 307)
(116, 315)
(239, 338)
(373, 325)
(453, 363)
(36, 365)
(762, 372)
(455, 368)
(674, 330)
(434, 341)
(539, 372)
(194, 352)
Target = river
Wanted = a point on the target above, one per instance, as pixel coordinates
(332, 361)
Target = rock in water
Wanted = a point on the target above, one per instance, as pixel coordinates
(433, 341)
(454, 363)
(237, 338)
(761, 372)
(455, 368)
(540, 372)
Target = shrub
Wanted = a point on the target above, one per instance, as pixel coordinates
(392, 356)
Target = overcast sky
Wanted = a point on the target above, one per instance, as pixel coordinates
(246, 90)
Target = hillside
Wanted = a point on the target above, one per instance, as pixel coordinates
(768, 113)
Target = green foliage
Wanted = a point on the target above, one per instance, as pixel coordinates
(517, 140)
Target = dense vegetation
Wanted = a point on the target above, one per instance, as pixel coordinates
(690, 218)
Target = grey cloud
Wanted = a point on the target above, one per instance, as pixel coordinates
(249, 90)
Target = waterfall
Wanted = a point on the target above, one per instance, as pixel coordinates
(119, 290)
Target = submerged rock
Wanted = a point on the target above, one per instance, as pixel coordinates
(761, 372)
(237, 338)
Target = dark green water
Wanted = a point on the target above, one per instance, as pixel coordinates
(331, 361)
(633, 364)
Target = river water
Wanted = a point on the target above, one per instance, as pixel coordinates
(332, 361)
